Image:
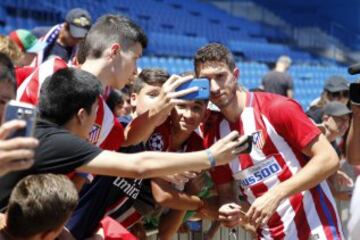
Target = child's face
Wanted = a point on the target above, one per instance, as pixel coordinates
(146, 98)
(187, 117)
(124, 108)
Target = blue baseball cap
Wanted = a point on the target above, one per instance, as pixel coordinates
(79, 21)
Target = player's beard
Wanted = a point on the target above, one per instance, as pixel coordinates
(229, 99)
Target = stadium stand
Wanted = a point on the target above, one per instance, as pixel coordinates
(177, 28)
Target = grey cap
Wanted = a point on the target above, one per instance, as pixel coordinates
(336, 109)
(79, 21)
(336, 84)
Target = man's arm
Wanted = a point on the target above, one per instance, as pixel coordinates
(155, 164)
(141, 127)
(353, 138)
(324, 162)
(170, 223)
(226, 193)
(167, 196)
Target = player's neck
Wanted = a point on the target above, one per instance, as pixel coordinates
(235, 107)
(97, 67)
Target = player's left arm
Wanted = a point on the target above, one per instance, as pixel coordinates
(323, 163)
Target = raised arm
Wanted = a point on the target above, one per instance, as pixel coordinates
(154, 164)
(141, 127)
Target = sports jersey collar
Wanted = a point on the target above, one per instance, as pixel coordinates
(249, 99)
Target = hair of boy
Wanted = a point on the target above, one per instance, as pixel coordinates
(40, 203)
(81, 52)
(153, 76)
(115, 97)
(110, 29)
(65, 92)
(7, 71)
(10, 48)
(214, 52)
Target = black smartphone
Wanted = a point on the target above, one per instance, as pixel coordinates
(21, 111)
(354, 94)
(203, 92)
(249, 142)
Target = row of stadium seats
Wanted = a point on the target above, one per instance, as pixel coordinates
(200, 23)
(172, 45)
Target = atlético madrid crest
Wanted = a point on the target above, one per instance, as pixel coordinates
(94, 133)
(258, 139)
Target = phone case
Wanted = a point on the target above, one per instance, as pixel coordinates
(355, 93)
(201, 94)
(22, 111)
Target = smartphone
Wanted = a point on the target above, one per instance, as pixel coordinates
(203, 92)
(249, 142)
(22, 111)
(354, 94)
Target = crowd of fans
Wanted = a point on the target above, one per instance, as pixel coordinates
(117, 149)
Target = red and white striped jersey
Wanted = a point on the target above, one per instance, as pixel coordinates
(280, 131)
(107, 132)
(28, 91)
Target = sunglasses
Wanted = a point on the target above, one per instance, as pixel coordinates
(339, 94)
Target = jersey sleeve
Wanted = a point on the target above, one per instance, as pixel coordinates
(292, 124)
(63, 152)
(221, 174)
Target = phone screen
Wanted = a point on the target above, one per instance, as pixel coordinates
(201, 83)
